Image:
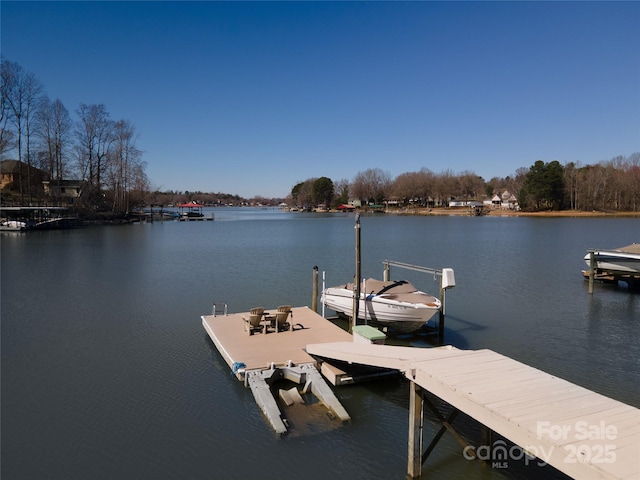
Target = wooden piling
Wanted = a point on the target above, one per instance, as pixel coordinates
(416, 405)
(486, 439)
(356, 283)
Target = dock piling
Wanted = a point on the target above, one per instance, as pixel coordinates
(416, 404)
(356, 282)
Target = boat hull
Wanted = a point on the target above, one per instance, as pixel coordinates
(401, 316)
(13, 226)
(622, 260)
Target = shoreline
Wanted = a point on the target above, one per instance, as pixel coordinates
(513, 213)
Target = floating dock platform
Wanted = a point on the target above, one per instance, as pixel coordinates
(262, 359)
(581, 433)
(260, 351)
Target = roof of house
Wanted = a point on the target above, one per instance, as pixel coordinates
(13, 166)
(66, 183)
(9, 166)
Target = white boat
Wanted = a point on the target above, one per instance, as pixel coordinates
(618, 260)
(395, 304)
(12, 226)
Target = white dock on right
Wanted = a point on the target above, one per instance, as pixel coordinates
(578, 431)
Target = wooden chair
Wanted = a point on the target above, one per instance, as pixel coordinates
(282, 318)
(253, 323)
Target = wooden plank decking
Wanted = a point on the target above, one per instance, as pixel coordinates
(260, 350)
(579, 432)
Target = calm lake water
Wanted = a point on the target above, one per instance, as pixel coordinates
(107, 372)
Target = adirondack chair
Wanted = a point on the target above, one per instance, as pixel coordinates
(282, 318)
(253, 323)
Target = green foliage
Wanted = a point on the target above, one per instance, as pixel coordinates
(543, 186)
(343, 196)
(323, 191)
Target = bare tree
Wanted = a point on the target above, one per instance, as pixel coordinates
(372, 185)
(405, 187)
(471, 185)
(7, 79)
(95, 134)
(54, 131)
(341, 188)
(416, 187)
(633, 177)
(123, 165)
(445, 186)
(22, 92)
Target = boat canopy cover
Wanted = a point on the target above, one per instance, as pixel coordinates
(633, 248)
(371, 286)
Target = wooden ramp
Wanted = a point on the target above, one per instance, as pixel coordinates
(581, 433)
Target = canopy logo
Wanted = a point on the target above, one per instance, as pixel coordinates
(580, 442)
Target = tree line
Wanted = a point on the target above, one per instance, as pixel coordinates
(102, 154)
(95, 149)
(612, 185)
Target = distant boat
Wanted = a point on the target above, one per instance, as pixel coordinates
(618, 260)
(394, 304)
(190, 210)
(12, 226)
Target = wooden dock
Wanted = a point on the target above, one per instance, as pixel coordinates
(262, 359)
(579, 432)
(260, 350)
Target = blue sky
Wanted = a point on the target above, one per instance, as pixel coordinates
(250, 98)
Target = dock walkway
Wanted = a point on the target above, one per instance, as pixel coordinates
(579, 432)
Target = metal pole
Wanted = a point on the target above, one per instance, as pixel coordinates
(324, 286)
(356, 286)
(314, 298)
(592, 268)
(441, 320)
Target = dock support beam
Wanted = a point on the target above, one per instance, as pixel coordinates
(416, 458)
(416, 404)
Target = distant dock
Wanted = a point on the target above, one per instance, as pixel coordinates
(36, 218)
(614, 265)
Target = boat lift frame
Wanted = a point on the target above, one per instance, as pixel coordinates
(447, 281)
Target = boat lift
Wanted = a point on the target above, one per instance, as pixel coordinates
(447, 281)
